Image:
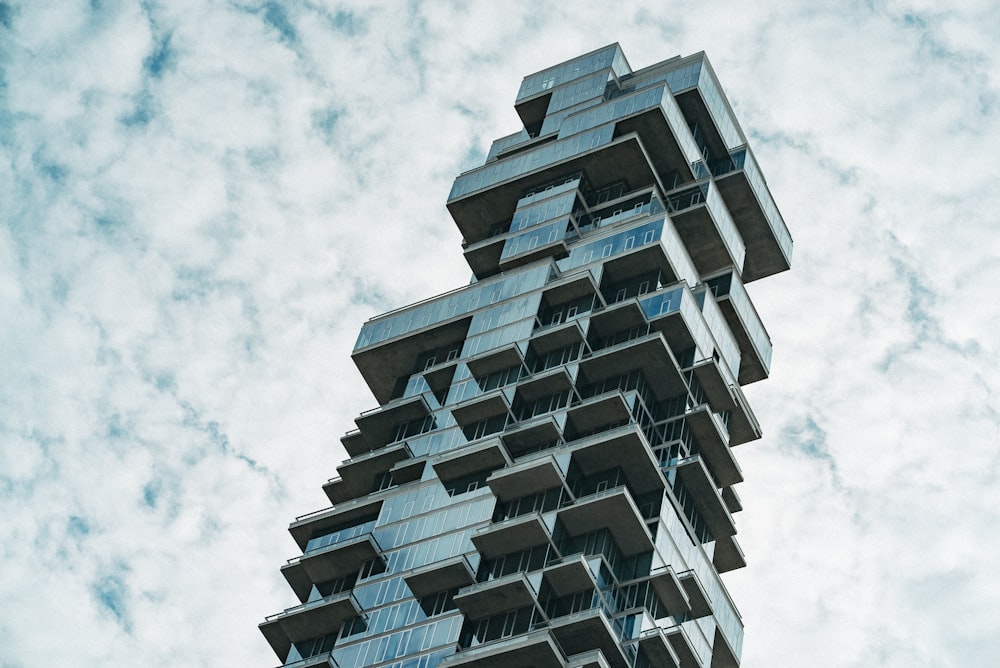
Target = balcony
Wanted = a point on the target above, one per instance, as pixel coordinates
(768, 242)
(670, 591)
(357, 475)
(620, 317)
(536, 649)
(527, 436)
(724, 394)
(486, 455)
(674, 311)
(745, 324)
(728, 555)
(544, 383)
(440, 576)
(586, 631)
(485, 599)
(710, 504)
(527, 246)
(657, 648)
(592, 659)
(701, 603)
(483, 407)
(613, 510)
(309, 620)
(624, 448)
(356, 511)
(400, 339)
(513, 535)
(484, 256)
(482, 197)
(713, 443)
(703, 223)
(723, 654)
(649, 353)
(378, 426)
(684, 650)
(571, 575)
(610, 408)
(557, 336)
(330, 562)
(524, 478)
(732, 499)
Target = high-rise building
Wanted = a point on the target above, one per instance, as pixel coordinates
(548, 479)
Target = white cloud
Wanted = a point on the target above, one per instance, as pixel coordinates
(202, 204)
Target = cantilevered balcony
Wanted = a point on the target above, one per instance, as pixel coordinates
(701, 603)
(674, 311)
(745, 325)
(607, 323)
(684, 649)
(650, 353)
(528, 436)
(330, 562)
(625, 448)
(545, 383)
(601, 411)
(495, 360)
(713, 442)
(589, 630)
(487, 454)
(440, 576)
(484, 255)
(378, 425)
(309, 620)
(526, 246)
(670, 591)
(657, 648)
(707, 498)
(483, 407)
(591, 659)
(724, 394)
(704, 223)
(724, 655)
(536, 649)
(346, 514)
(728, 555)
(358, 474)
(494, 597)
(392, 355)
(528, 477)
(557, 336)
(513, 535)
(483, 197)
(571, 575)
(613, 510)
(732, 499)
(768, 242)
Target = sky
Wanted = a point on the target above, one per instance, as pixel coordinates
(202, 202)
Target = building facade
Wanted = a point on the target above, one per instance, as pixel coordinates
(549, 478)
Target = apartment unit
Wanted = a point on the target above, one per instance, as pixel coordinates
(549, 477)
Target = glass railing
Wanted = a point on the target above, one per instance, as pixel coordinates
(743, 159)
(503, 143)
(686, 557)
(450, 304)
(338, 537)
(344, 595)
(516, 165)
(609, 57)
(751, 321)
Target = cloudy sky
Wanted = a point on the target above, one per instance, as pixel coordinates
(201, 203)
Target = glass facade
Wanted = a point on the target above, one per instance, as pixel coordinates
(545, 479)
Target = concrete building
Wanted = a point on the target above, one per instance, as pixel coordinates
(549, 477)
